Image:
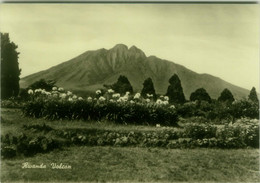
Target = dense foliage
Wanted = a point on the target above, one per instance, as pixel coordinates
(175, 91)
(253, 96)
(35, 139)
(226, 96)
(200, 95)
(148, 88)
(122, 85)
(127, 109)
(10, 71)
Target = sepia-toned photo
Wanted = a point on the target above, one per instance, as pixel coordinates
(129, 92)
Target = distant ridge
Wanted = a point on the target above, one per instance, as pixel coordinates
(90, 70)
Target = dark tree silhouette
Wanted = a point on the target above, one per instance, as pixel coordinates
(200, 94)
(10, 71)
(148, 88)
(226, 96)
(175, 91)
(122, 85)
(43, 84)
(253, 96)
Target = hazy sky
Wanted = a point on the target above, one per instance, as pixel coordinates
(218, 39)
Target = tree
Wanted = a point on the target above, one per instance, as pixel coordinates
(148, 88)
(226, 96)
(122, 85)
(253, 96)
(200, 95)
(10, 71)
(175, 91)
(43, 84)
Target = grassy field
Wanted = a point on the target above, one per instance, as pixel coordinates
(126, 164)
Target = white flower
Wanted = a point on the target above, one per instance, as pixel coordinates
(149, 95)
(70, 99)
(116, 95)
(69, 93)
(159, 101)
(48, 93)
(132, 102)
(137, 96)
(172, 107)
(147, 100)
(38, 90)
(54, 88)
(98, 92)
(122, 99)
(166, 98)
(165, 102)
(161, 96)
(60, 89)
(110, 91)
(102, 98)
(43, 91)
(111, 100)
(74, 97)
(127, 93)
(30, 92)
(80, 98)
(158, 125)
(63, 95)
(89, 99)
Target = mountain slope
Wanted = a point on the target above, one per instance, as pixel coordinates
(92, 69)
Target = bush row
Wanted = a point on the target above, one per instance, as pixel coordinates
(191, 136)
(122, 113)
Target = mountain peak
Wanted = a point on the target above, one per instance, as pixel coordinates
(120, 47)
(136, 50)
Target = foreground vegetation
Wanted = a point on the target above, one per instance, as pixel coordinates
(132, 164)
(120, 163)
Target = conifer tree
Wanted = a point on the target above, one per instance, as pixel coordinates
(200, 94)
(148, 88)
(226, 96)
(10, 71)
(175, 91)
(253, 96)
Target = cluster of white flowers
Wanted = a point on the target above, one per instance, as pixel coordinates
(89, 99)
(102, 99)
(69, 93)
(98, 92)
(54, 88)
(149, 95)
(147, 100)
(110, 91)
(60, 89)
(30, 92)
(122, 99)
(116, 95)
(137, 96)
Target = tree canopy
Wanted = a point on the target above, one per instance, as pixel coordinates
(10, 71)
(148, 88)
(253, 95)
(200, 95)
(175, 91)
(122, 85)
(226, 96)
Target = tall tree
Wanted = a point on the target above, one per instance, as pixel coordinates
(148, 88)
(122, 85)
(200, 94)
(10, 71)
(226, 96)
(253, 95)
(175, 91)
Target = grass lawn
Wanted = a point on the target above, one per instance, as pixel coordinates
(126, 164)
(138, 164)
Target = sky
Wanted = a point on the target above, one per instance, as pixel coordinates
(218, 39)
